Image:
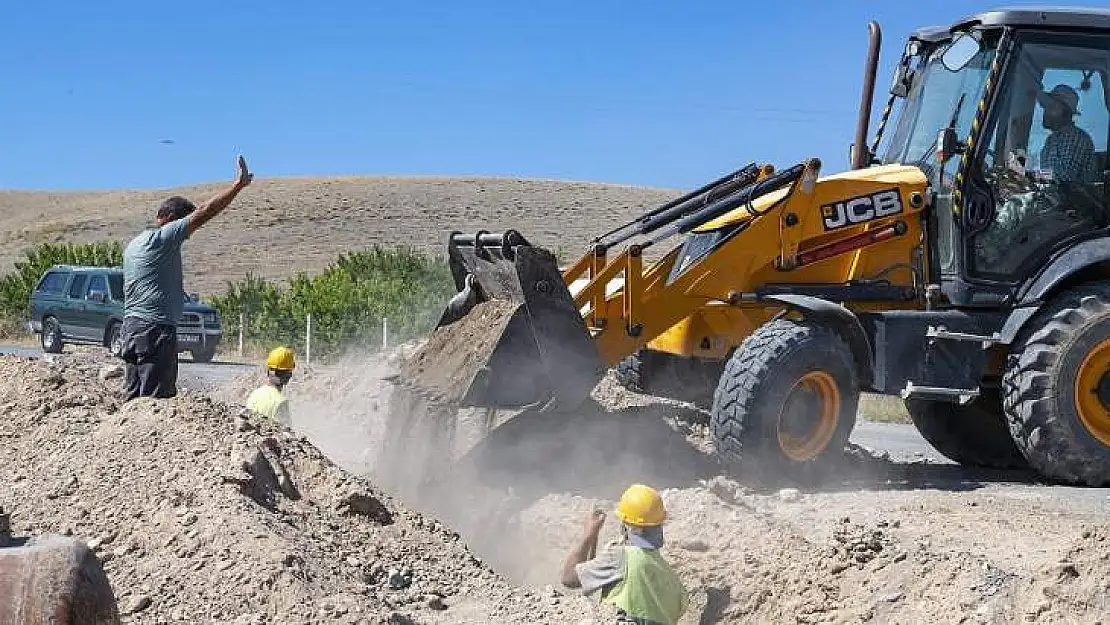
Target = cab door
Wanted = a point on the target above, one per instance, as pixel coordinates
(1042, 168)
(100, 310)
(71, 313)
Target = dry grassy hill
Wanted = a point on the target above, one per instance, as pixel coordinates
(280, 226)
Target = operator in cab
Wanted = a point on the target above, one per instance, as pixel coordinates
(631, 573)
(268, 400)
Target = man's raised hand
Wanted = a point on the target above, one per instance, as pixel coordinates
(245, 176)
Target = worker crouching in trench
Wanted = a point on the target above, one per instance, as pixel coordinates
(631, 573)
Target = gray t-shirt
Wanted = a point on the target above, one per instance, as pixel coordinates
(153, 286)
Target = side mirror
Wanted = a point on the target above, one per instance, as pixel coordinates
(903, 78)
(960, 52)
(948, 144)
(903, 75)
(867, 160)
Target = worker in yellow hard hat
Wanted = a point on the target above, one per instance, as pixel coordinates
(268, 399)
(631, 573)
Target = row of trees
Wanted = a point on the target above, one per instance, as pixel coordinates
(347, 300)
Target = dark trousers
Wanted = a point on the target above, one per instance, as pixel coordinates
(150, 351)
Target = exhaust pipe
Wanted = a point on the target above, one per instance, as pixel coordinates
(861, 155)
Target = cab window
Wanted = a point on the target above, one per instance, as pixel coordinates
(53, 282)
(77, 286)
(1045, 162)
(115, 284)
(97, 284)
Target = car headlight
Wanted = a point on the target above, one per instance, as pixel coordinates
(212, 318)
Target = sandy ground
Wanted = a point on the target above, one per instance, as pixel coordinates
(883, 540)
(279, 226)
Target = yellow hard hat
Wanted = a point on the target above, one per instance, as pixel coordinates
(281, 359)
(641, 506)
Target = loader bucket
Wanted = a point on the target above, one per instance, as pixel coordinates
(513, 338)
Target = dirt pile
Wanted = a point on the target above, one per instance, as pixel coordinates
(880, 542)
(203, 514)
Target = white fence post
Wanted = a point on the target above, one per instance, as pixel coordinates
(385, 333)
(242, 322)
(308, 341)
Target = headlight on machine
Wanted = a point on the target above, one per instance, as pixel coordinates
(211, 319)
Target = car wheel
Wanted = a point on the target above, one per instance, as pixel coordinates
(115, 340)
(51, 336)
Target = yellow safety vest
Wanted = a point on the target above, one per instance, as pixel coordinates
(650, 589)
(267, 401)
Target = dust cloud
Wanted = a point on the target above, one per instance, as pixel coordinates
(508, 494)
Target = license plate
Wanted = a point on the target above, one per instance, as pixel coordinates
(189, 338)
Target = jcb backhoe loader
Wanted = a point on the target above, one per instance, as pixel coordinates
(965, 267)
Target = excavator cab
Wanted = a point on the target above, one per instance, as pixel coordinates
(961, 263)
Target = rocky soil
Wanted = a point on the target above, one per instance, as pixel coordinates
(877, 542)
(202, 514)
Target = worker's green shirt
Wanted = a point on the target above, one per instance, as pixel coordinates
(637, 581)
(153, 286)
(269, 402)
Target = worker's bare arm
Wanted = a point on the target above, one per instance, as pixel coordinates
(217, 204)
(582, 551)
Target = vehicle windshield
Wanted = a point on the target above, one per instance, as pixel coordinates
(938, 97)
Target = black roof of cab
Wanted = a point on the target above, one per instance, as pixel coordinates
(1064, 18)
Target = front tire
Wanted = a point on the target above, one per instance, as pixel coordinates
(51, 337)
(787, 399)
(203, 355)
(1057, 388)
(975, 434)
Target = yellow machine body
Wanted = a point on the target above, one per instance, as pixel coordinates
(704, 313)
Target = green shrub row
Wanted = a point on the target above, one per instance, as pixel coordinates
(16, 286)
(347, 302)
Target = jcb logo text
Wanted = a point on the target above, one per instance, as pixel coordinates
(861, 209)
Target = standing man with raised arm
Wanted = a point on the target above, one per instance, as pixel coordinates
(153, 288)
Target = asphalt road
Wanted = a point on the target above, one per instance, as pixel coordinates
(196, 375)
(902, 442)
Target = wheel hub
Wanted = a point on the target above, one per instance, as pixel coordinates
(809, 416)
(1103, 390)
(1092, 392)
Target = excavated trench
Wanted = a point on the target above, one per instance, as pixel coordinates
(883, 542)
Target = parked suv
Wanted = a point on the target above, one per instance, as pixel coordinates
(84, 305)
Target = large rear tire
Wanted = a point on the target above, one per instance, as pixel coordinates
(976, 434)
(787, 399)
(1056, 389)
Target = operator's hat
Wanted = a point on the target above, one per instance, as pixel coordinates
(1063, 95)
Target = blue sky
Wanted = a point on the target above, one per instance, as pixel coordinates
(668, 94)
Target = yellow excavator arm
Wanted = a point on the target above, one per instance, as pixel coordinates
(516, 335)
